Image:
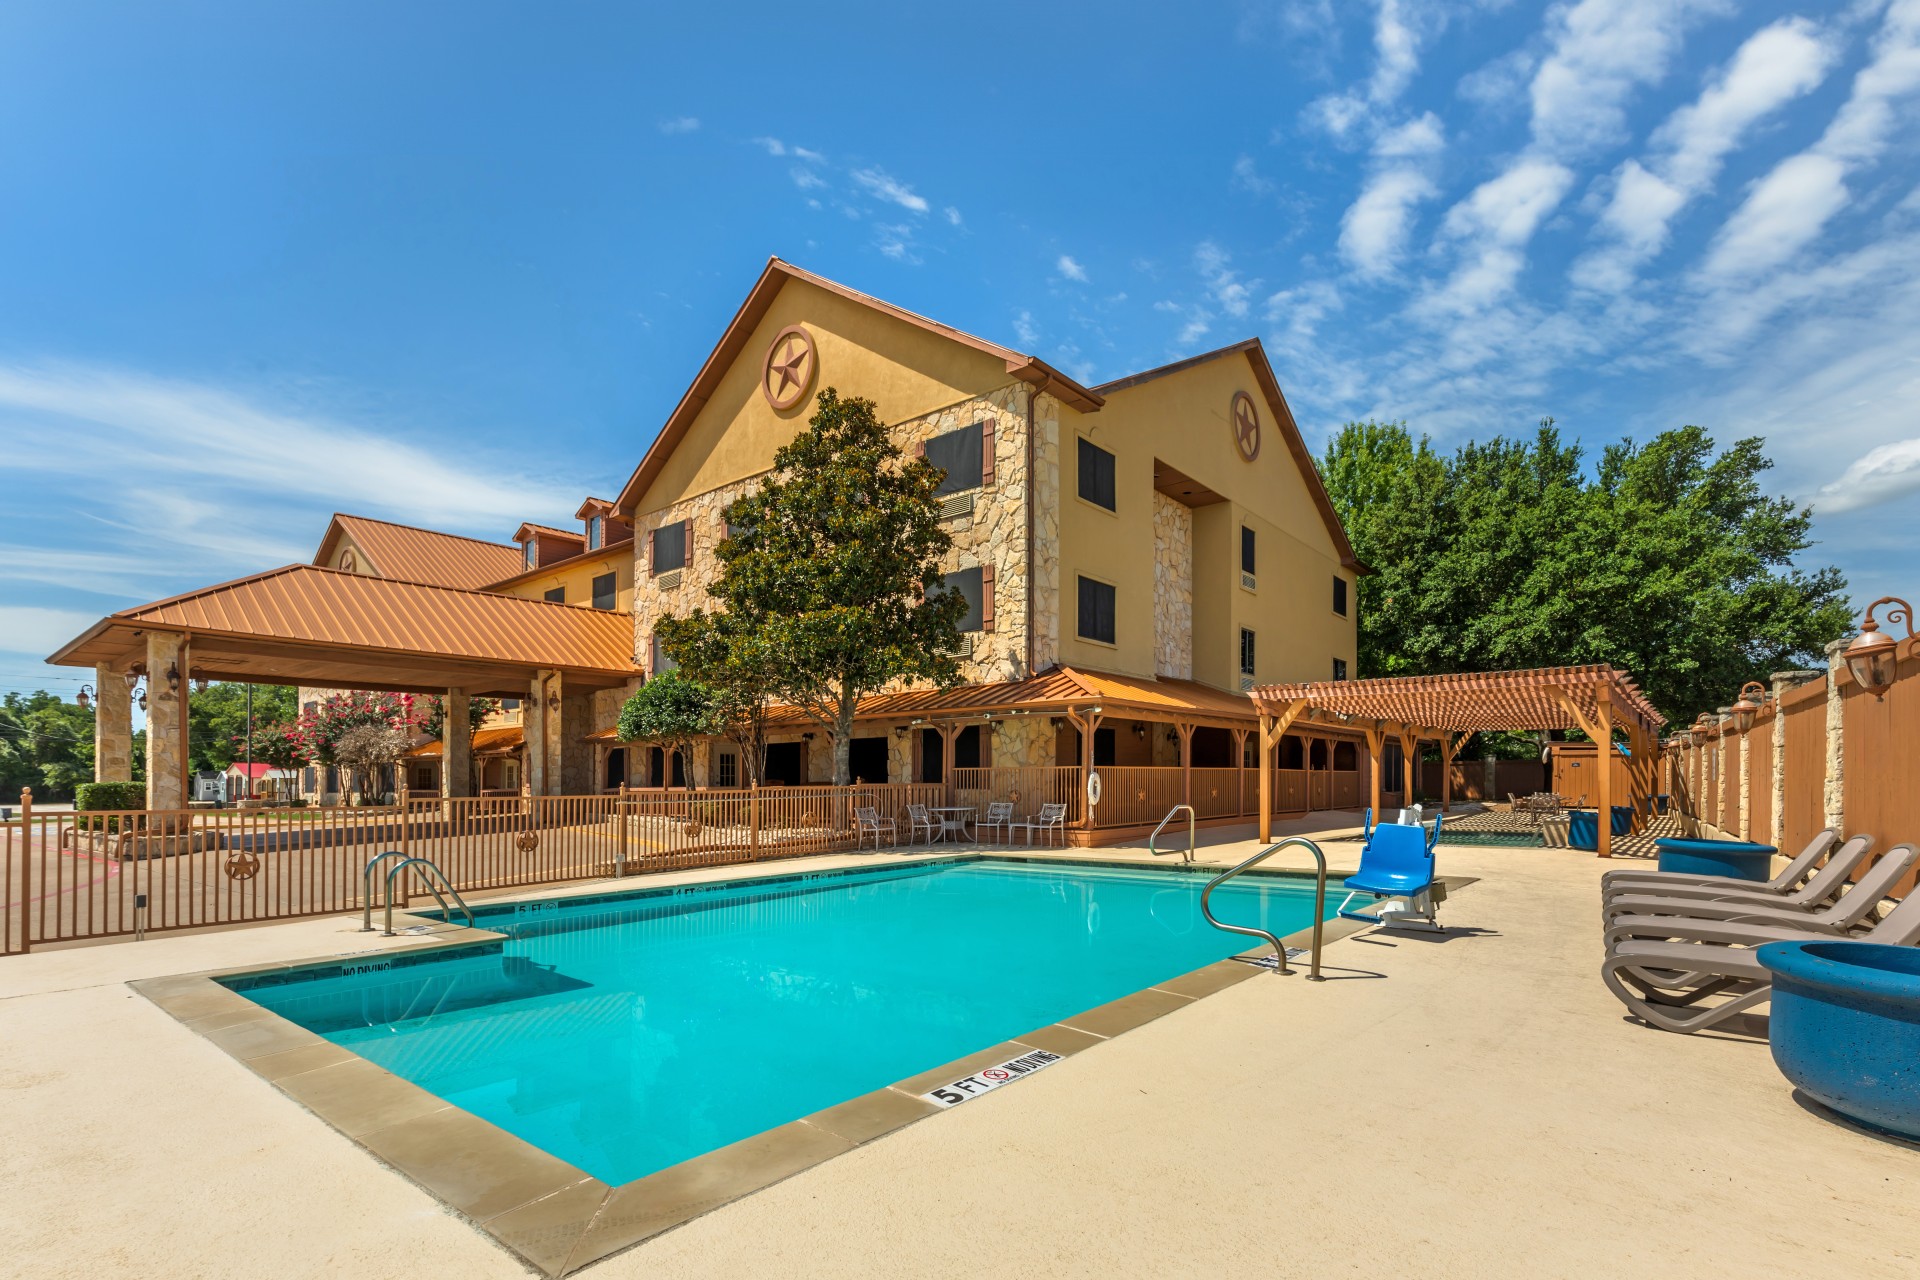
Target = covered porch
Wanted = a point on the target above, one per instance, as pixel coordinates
(305, 625)
(1406, 711)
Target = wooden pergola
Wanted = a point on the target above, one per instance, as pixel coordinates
(1448, 709)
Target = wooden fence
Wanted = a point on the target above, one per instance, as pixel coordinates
(1822, 752)
(75, 876)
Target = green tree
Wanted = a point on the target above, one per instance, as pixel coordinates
(45, 744)
(833, 566)
(217, 720)
(1666, 559)
(728, 655)
(671, 710)
(431, 715)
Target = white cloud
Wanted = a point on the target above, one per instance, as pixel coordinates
(811, 157)
(1246, 177)
(806, 179)
(1602, 50)
(1229, 291)
(1422, 136)
(1374, 231)
(1197, 322)
(774, 147)
(1774, 66)
(1398, 50)
(953, 216)
(1024, 330)
(1881, 475)
(883, 186)
(1072, 270)
(679, 124)
(895, 240)
(1787, 209)
(32, 629)
(1500, 82)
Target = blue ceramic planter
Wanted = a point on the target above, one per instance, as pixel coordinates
(1583, 826)
(1734, 858)
(1846, 1027)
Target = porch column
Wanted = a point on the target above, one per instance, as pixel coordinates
(1240, 770)
(1449, 743)
(112, 726)
(949, 733)
(1088, 724)
(553, 743)
(1409, 742)
(542, 733)
(1186, 761)
(166, 721)
(456, 746)
(1603, 709)
(1266, 778)
(1376, 742)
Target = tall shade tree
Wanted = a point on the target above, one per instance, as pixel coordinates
(1666, 558)
(217, 720)
(728, 655)
(45, 744)
(833, 564)
(673, 711)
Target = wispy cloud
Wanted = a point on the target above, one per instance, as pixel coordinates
(1024, 329)
(1787, 208)
(1072, 270)
(884, 186)
(680, 124)
(36, 630)
(1246, 177)
(1881, 475)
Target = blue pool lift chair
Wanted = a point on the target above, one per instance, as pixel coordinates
(1396, 871)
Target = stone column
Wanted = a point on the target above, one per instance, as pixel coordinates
(551, 695)
(112, 726)
(1746, 788)
(166, 721)
(1835, 794)
(456, 747)
(1782, 681)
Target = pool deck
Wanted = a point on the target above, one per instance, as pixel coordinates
(1472, 1104)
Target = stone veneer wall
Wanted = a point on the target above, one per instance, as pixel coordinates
(1046, 532)
(1172, 588)
(1023, 740)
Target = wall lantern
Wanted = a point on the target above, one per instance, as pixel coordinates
(1702, 728)
(140, 696)
(1140, 730)
(1753, 696)
(84, 698)
(1873, 655)
(173, 677)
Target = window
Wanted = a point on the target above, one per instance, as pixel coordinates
(1339, 668)
(509, 704)
(594, 527)
(670, 547)
(728, 772)
(557, 596)
(958, 453)
(1339, 595)
(1096, 474)
(658, 663)
(606, 594)
(974, 584)
(1246, 652)
(529, 554)
(1246, 549)
(1096, 611)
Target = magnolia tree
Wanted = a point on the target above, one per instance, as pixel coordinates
(673, 711)
(831, 577)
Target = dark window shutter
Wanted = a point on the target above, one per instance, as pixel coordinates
(986, 594)
(920, 450)
(986, 471)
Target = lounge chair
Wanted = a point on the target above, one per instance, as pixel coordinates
(1396, 869)
(918, 820)
(999, 818)
(1837, 919)
(1616, 882)
(1825, 885)
(867, 819)
(1664, 982)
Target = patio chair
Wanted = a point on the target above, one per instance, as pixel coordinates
(919, 820)
(1827, 883)
(1396, 869)
(867, 819)
(1664, 982)
(1682, 883)
(1052, 817)
(1839, 919)
(999, 818)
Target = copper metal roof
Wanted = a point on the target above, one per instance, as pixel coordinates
(302, 622)
(424, 555)
(502, 740)
(1540, 698)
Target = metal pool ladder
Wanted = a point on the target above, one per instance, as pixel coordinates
(1186, 853)
(426, 869)
(1279, 947)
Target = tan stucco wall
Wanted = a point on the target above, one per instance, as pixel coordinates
(576, 578)
(1183, 420)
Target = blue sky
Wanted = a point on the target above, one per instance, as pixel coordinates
(454, 263)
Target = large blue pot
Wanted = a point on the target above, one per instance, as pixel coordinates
(1736, 858)
(1583, 826)
(1845, 1027)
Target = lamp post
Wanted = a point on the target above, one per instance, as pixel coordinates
(1873, 657)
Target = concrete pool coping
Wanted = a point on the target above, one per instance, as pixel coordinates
(554, 1216)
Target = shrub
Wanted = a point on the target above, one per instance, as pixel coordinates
(110, 795)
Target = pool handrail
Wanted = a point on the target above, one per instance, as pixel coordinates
(1192, 842)
(366, 887)
(427, 865)
(1279, 947)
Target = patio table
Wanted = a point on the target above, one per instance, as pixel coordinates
(954, 819)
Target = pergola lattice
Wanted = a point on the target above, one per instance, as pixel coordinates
(1595, 699)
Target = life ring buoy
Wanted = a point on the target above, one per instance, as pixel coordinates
(1093, 789)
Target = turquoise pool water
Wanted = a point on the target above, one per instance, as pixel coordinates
(625, 1033)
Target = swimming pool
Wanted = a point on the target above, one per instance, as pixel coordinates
(624, 1033)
